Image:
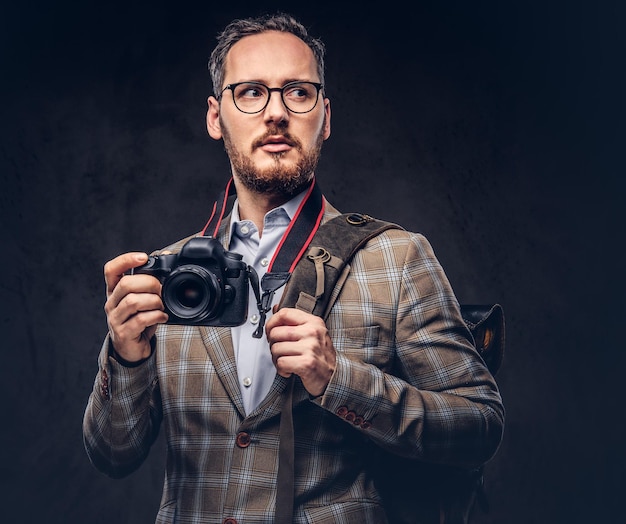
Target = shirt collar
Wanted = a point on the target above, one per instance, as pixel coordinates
(289, 208)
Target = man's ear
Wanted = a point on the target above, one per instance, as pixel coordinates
(213, 118)
(326, 130)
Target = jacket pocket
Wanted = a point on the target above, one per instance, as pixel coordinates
(364, 344)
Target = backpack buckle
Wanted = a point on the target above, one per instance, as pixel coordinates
(358, 219)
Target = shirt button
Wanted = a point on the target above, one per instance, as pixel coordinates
(254, 319)
(245, 229)
(265, 262)
(247, 381)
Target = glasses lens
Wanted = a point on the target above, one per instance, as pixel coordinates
(300, 97)
(250, 97)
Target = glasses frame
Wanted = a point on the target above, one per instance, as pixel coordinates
(271, 90)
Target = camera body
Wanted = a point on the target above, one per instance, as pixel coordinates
(203, 285)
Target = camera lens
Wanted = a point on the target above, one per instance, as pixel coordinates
(188, 294)
(192, 293)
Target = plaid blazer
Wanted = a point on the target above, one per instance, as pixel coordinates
(408, 381)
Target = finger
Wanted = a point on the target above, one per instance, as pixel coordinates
(287, 334)
(304, 365)
(132, 284)
(140, 326)
(283, 364)
(291, 317)
(313, 329)
(114, 269)
(131, 305)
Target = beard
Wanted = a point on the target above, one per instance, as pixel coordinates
(280, 179)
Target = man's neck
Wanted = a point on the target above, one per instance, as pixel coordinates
(254, 206)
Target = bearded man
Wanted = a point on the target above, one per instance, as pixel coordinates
(391, 370)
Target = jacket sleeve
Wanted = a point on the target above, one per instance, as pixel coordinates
(407, 370)
(123, 415)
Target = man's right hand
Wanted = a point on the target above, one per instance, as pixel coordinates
(133, 306)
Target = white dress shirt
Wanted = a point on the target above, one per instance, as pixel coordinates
(254, 362)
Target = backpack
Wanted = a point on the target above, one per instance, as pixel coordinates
(420, 493)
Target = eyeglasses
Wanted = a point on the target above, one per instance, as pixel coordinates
(253, 97)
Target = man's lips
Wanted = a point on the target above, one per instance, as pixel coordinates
(276, 144)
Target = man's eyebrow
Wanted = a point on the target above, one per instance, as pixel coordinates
(285, 82)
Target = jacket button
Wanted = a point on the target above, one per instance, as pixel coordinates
(229, 520)
(358, 421)
(104, 392)
(350, 416)
(366, 424)
(342, 411)
(243, 441)
(104, 385)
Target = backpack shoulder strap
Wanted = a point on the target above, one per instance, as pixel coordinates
(334, 244)
(314, 278)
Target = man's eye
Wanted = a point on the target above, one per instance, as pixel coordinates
(297, 92)
(251, 92)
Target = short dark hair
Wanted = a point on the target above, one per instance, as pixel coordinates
(238, 29)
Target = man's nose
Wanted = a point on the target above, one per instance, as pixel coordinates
(276, 111)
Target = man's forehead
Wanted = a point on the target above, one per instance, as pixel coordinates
(268, 55)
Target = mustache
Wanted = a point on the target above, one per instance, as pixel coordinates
(276, 132)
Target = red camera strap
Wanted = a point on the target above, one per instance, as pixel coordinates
(292, 246)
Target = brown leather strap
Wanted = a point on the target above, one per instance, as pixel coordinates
(340, 238)
(285, 491)
(343, 236)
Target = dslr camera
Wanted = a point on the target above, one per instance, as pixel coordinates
(203, 285)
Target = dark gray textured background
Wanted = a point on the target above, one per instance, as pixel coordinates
(495, 128)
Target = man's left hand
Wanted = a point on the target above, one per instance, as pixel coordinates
(300, 344)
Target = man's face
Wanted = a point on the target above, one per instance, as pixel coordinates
(273, 151)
